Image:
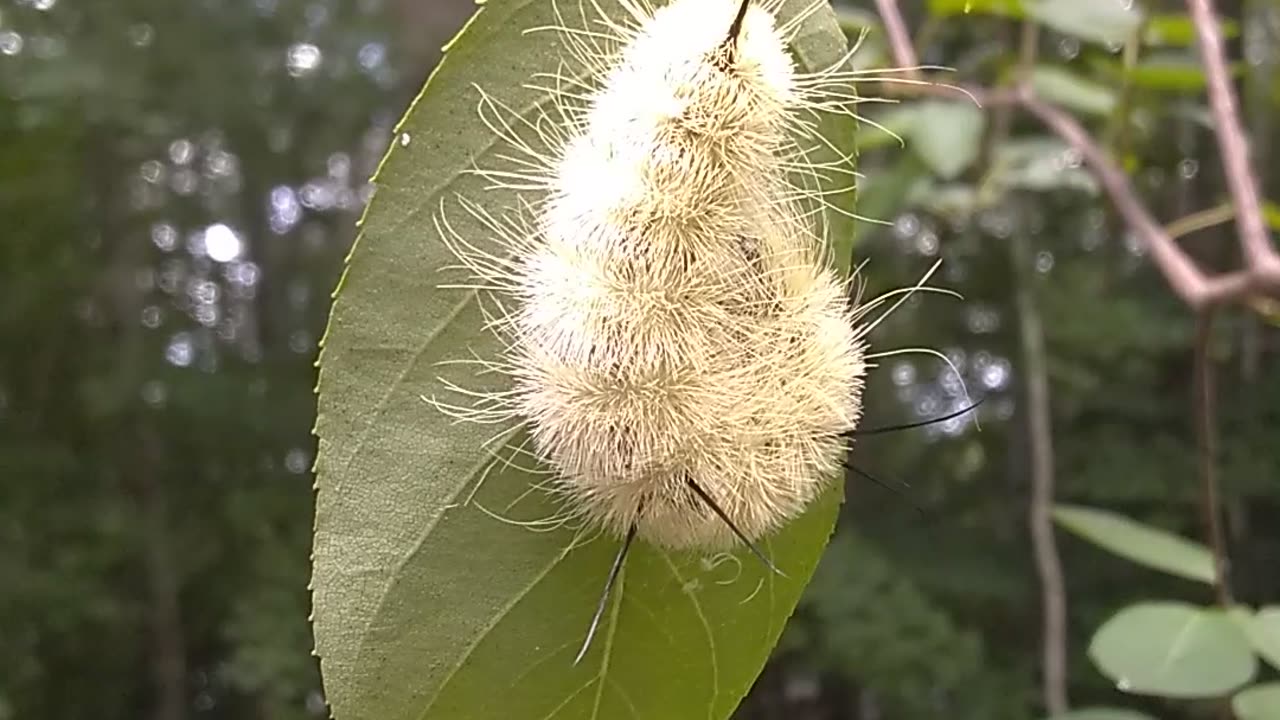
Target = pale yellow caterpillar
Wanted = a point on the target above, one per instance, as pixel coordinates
(680, 349)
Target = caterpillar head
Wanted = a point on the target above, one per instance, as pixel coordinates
(712, 84)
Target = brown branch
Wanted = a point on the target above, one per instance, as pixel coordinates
(1187, 280)
(1199, 292)
(1053, 593)
(1182, 274)
(1039, 414)
(1233, 144)
(904, 52)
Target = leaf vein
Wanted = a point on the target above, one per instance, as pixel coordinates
(489, 626)
(602, 676)
(706, 625)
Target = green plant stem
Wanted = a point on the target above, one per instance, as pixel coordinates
(1206, 452)
(1200, 220)
(1053, 596)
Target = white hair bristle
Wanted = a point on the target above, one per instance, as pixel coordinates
(670, 318)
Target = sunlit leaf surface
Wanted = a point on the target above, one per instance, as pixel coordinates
(427, 606)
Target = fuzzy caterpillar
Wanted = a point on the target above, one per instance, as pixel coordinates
(683, 354)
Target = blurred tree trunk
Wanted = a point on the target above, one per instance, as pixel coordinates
(138, 451)
(168, 659)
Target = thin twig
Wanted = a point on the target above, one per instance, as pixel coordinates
(1206, 454)
(1053, 594)
(1182, 274)
(904, 53)
(1233, 144)
(1191, 284)
(1201, 220)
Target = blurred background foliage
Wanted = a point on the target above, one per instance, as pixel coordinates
(179, 182)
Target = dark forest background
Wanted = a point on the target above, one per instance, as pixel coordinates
(179, 183)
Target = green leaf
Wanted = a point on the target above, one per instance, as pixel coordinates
(1192, 112)
(1038, 163)
(1072, 90)
(1260, 702)
(818, 44)
(1271, 214)
(427, 606)
(1169, 72)
(1264, 633)
(1140, 543)
(1172, 71)
(1176, 29)
(1173, 650)
(1003, 8)
(947, 135)
(1101, 713)
(854, 20)
(888, 127)
(955, 201)
(880, 196)
(1100, 21)
(863, 27)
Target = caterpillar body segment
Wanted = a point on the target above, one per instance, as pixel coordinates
(680, 349)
